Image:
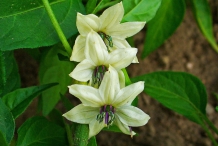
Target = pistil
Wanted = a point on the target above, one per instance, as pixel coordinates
(106, 114)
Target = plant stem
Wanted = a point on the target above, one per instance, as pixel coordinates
(57, 27)
(210, 124)
(69, 134)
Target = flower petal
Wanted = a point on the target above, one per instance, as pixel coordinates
(121, 79)
(86, 23)
(95, 49)
(88, 95)
(83, 71)
(111, 17)
(125, 30)
(132, 116)
(124, 128)
(128, 94)
(110, 85)
(82, 114)
(78, 49)
(121, 58)
(95, 127)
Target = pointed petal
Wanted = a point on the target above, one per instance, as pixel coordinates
(124, 128)
(83, 71)
(125, 30)
(111, 17)
(121, 79)
(95, 127)
(82, 114)
(78, 49)
(110, 85)
(86, 23)
(132, 116)
(135, 60)
(121, 58)
(120, 43)
(88, 95)
(95, 49)
(128, 94)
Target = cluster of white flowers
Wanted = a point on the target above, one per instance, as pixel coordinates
(102, 51)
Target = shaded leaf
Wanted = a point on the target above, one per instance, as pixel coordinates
(92, 141)
(90, 6)
(161, 27)
(26, 24)
(181, 92)
(203, 17)
(2, 140)
(7, 125)
(38, 131)
(18, 100)
(140, 10)
(9, 76)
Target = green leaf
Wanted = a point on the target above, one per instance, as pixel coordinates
(2, 140)
(112, 128)
(18, 100)
(53, 70)
(201, 9)
(161, 27)
(92, 141)
(90, 6)
(181, 92)
(9, 76)
(38, 131)
(7, 125)
(56, 117)
(27, 25)
(81, 135)
(140, 10)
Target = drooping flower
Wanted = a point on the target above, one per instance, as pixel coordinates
(108, 26)
(97, 60)
(107, 105)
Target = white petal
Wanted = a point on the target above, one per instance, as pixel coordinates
(83, 71)
(110, 85)
(88, 95)
(121, 58)
(111, 17)
(82, 114)
(124, 128)
(86, 23)
(126, 30)
(128, 94)
(95, 49)
(95, 127)
(120, 43)
(121, 79)
(135, 60)
(132, 116)
(78, 49)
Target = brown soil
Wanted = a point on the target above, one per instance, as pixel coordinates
(188, 51)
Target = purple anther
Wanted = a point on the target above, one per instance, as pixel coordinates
(106, 118)
(105, 107)
(130, 130)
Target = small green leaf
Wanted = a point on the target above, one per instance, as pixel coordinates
(56, 117)
(92, 141)
(26, 24)
(38, 131)
(18, 100)
(90, 6)
(9, 76)
(181, 92)
(100, 6)
(140, 10)
(161, 27)
(53, 70)
(7, 125)
(203, 17)
(2, 140)
(112, 128)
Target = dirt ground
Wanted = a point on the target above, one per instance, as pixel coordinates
(188, 51)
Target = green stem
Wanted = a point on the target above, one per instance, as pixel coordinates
(209, 133)
(127, 79)
(210, 124)
(57, 27)
(69, 134)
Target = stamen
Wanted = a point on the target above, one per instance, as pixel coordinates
(130, 129)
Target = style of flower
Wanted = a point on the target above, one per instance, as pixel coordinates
(97, 60)
(107, 105)
(108, 26)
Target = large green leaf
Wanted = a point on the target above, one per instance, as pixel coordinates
(7, 125)
(53, 70)
(18, 100)
(161, 27)
(9, 76)
(181, 92)
(203, 17)
(25, 24)
(38, 131)
(2, 140)
(140, 10)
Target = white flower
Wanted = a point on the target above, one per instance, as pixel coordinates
(109, 26)
(98, 59)
(107, 105)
